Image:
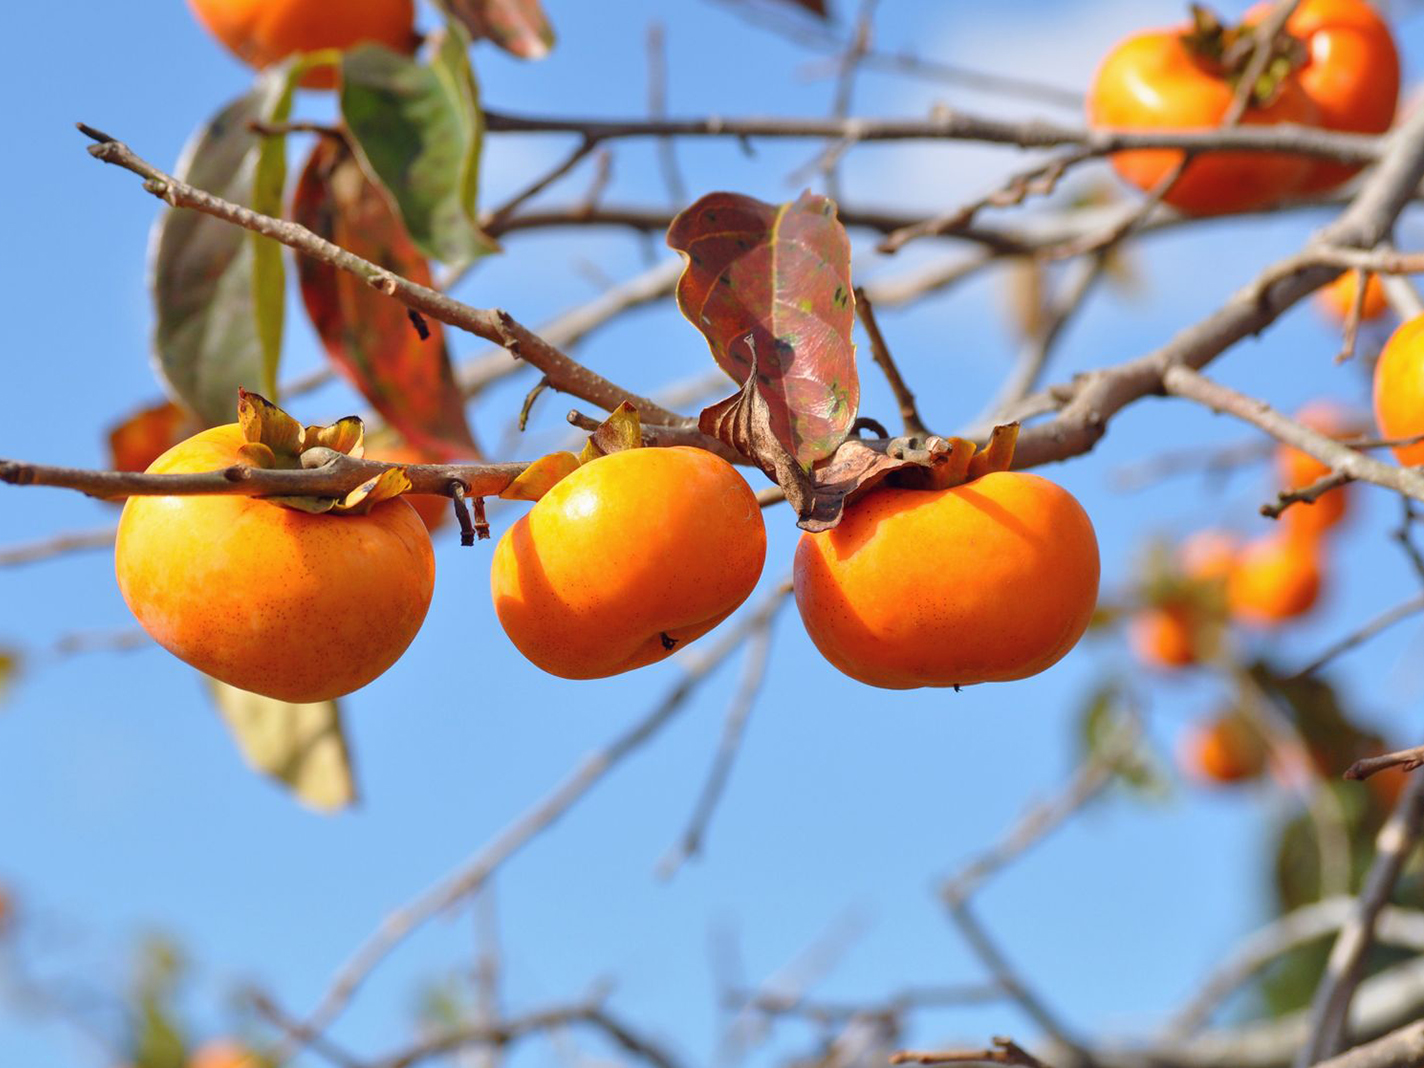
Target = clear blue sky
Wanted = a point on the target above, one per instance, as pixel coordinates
(124, 807)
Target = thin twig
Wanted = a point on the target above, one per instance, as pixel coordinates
(1404, 759)
(471, 876)
(657, 109)
(1005, 1051)
(1330, 1007)
(880, 351)
(59, 544)
(1362, 634)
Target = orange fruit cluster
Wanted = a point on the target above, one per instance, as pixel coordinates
(1340, 72)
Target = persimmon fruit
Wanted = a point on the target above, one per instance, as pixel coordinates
(1399, 389)
(223, 1053)
(1297, 469)
(1276, 578)
(263, 32)
(296, 606)
(988, 581)
(1178, 630)
(1336, 299)
(1350, 73)
(626, 560)
(1158, 80)
(1224, 749)
(1164, 636)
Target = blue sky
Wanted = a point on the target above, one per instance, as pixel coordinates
(124, 807)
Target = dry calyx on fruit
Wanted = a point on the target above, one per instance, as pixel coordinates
(297, 598)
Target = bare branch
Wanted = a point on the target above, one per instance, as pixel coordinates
(1330, 1008)
(880, 351)
(1404, 759)
(1005, 1051)
(57, 545)
(471, 876)
(1359, 636)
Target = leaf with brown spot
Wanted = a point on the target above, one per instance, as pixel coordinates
(366, 333)
(520, 27)
(300, 745)
(770, 285)
(540, 477)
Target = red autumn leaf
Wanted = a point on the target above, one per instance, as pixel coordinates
(520, 27)
(368, 335)
(770, 286)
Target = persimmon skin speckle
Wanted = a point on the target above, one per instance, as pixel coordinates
(626, 560)
(989, 581)
(263, 32)
(1399, 389)
(295, 606)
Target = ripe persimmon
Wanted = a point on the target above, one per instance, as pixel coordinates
(1224, 749)
(1164, 636)
(626, 559)
(1172, 79)
(988, 581)
(261, 32)
(1276, 578)
(1183, 622)
(433, 508)
(222, 1053)
(1350, 73)
(1297, 470)
(1399, 389)
(1336, 299)
(270, 599)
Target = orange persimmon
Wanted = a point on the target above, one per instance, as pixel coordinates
(1224, 749)
(1350, 73)
(1297, 470)
(989, 581)
(1276, 578)
(626, 559)
(270, 599)
(1399, 389)
(1164, 80)
(222, 1053)
(1336, 299)
(262, 32)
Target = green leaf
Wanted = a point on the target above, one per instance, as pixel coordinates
(302, 746)
(204, 276)
(418, 131)
(157, 1040)
(769, 287)
(269, 272)
(520, 27)
(368, 334)
(1104, 725)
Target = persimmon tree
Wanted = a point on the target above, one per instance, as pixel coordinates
(290, 560)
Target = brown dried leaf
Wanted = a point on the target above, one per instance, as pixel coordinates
(389, 484)
(263, 422)
(744, 422)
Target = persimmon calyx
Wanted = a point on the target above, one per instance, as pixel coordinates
(1229, 47)
(857, 467)
(276, 440)
(621, 431)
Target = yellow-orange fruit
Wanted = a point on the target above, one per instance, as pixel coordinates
(986, 582)
(1225, 750)
(1208, 555)
(1336, 299)
(262, 32)
(1297, 470)
(222, 1053)
(1275, 579)
(627, 559)
(1163, 637)
(295, 606)
(145, 436)
(1399, 389)
(433, 509)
